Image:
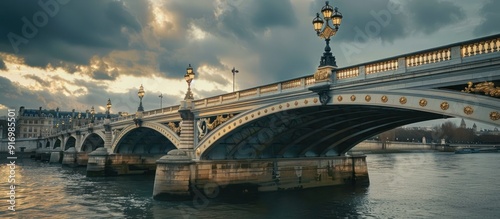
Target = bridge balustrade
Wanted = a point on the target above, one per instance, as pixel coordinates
(456, 53)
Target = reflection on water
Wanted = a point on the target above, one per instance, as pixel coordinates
(407, 185)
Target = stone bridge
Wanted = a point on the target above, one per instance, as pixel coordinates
(294, 133)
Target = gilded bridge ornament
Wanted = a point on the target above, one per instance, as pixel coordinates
(175, 128)
(403, 100)
(488, 88)
(384, 98)
(468, 110)
(322, 74)
(422, 102)
(218, 121)
(445, 105)
(494, 116)
(368, 98)
(205, 126)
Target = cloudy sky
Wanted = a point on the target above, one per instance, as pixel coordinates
(74, 54)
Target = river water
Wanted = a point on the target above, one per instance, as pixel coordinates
(403, 185)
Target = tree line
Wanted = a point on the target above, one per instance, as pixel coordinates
(448, 131)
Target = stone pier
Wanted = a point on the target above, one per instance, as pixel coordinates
(100, 163)
(178, 177)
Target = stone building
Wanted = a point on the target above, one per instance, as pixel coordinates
(40, 123)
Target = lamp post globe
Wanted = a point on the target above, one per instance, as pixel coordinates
(189, 76)
(108, 107)
(140, 94)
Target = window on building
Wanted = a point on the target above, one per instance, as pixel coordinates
(24, 135)
(36, 121)
(35, 130)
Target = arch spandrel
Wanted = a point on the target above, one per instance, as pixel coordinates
(433, 102)
(165, 131)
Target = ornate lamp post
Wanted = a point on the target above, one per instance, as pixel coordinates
(189, 76)
(327, 63)
(140, 93)
(108, 107)
(140, 110)
(79, 119)
(325, 31)
(92, 114)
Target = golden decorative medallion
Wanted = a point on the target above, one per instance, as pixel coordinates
(280, 106)
(353, 98)
(445, 105)
(265, 111)
(368, 98)
(468, 110)
(422, 102)
(258, 113)
(384, 99)
(246, 117)
(403, 100)
(306, 102)
(494, 116)
(296, 103)
(240, 121)
(198, 152)
(339, 98)
(272, 109)
(287, 105)
(252, 115)
(315, 100)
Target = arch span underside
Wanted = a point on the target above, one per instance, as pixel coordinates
(92, 142)
(71, 142)
(311, 131)
(143, 140)
(57, 143)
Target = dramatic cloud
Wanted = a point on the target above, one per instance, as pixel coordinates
(75, 54)
(491, 16)
(434, 14)
(2, 65)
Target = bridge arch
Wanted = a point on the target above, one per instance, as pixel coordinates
(57, 143)
(70, 142)
(305, 127)
(148, 133)
(47, 144)
(91, 142)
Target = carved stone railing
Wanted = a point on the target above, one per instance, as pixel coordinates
(396, 65)
(291, 84)
(348, 73)
(249, 92)
(269, 88)
(481, 47)
(382, 66)
(310, 80)
(230, 96)
(429, 57)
